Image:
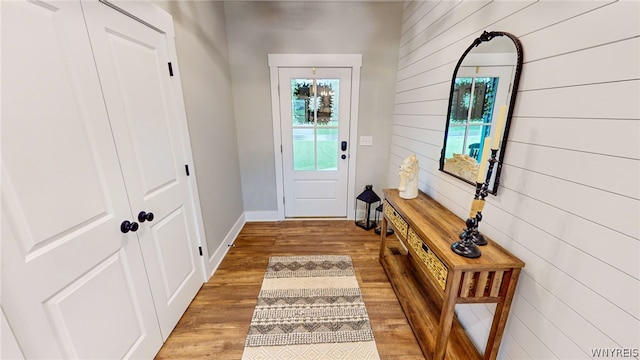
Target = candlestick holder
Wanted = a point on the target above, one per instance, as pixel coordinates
(466, 247)
(481, 193)
(471, 238)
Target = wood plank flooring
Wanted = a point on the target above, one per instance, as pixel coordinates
(216, 323)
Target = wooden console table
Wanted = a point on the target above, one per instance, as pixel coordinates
(430, 279)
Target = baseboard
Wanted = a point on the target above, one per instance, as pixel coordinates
(221, 251)
(261, 216)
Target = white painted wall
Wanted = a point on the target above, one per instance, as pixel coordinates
(256, 29)
(201, 42)
(568, 204)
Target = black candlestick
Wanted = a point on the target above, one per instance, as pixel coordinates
(481, 193)
(471, 238)
(465, 247)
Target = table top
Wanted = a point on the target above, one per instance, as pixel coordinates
(440, 228)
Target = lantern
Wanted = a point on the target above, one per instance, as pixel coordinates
(379, 215)
(364, 202)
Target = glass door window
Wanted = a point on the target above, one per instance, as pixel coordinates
(315, 120)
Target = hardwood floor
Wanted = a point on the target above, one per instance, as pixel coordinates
(216, 323)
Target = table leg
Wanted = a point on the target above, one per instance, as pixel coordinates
(500, 318)
(383, 236)
(446, 316)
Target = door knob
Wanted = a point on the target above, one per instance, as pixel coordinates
(145, 216)
(127, 226)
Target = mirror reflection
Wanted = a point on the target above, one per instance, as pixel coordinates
(482, 95)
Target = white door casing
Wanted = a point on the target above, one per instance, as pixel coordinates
(279, 61)
(316, 184)
(133, 64)
(70, 277)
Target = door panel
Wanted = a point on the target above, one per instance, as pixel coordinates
(132, 61)
(139, 72)
(10, 348)
(315, 121)
(70, 278)
(41, 137)
(176, 261)
(96, 306)
(314, 189)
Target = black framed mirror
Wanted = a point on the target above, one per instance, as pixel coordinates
(483, 93)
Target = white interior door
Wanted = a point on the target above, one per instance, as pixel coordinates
(315, 114)
(73, 285)
(132, 60)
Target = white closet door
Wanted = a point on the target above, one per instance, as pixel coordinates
(73, 285)
(132, 60)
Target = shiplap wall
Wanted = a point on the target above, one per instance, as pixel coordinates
(568, 203)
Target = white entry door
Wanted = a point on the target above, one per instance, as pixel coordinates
(133, 64)
(73, 285)
(315, 116)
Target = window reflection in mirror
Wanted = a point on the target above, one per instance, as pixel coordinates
(485, 79)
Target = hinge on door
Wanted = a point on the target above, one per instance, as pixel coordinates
(186, 169)
(283, 200)
(280, 148)
(200, 249)
(278, 89)
(170, 69)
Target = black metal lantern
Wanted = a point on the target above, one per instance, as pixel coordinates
(378, 229)
(367, 198)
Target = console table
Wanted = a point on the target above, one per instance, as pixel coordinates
(430, 279)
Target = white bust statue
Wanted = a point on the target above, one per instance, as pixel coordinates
(409, 178)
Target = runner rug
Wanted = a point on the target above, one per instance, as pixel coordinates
(310, 307)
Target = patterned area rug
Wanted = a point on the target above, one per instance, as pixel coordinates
(310, 307)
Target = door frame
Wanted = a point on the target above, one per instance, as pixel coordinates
(277, 61)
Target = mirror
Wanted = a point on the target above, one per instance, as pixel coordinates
(483, 93)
